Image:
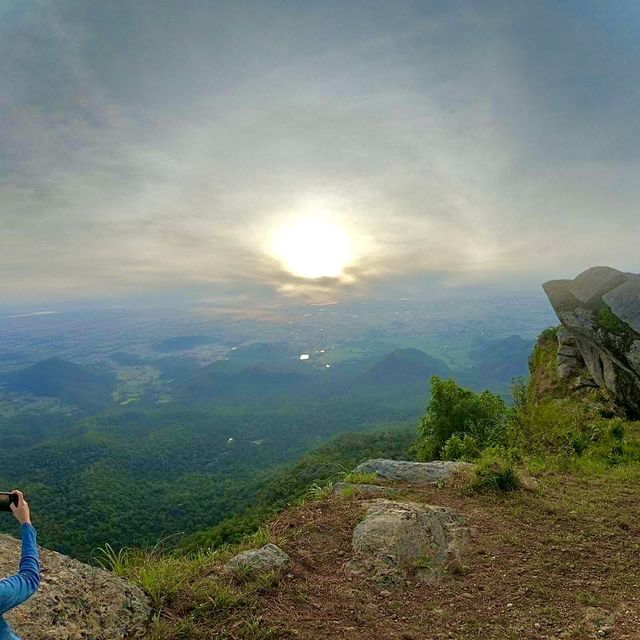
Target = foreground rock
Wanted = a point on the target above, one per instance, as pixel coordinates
(75, 601)
(412, 472)
(600, 313)
(399, 541)
(256, 561)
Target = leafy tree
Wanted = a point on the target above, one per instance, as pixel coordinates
(474, 420)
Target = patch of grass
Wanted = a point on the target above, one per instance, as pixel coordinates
(550, 333)
(424, 562)
(609, 321)
(319, 492)
(258, 539)
(187, 592)
(255, 629)
(510, 539)
(361, 477)
(111, 559)
(587, 599)
(348, 492)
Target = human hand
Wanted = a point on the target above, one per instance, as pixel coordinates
(21, 510)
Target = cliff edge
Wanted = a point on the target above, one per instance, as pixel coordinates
(600, 315)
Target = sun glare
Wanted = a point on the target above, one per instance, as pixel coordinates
(313, 248)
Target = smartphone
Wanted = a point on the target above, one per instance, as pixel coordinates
(6, 498)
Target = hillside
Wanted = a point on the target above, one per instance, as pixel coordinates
(490, 520)
(403, 367)
(231, 429)
(496, 363)
(84, 387)
(551, 553)
(544, 563)
(92, 468)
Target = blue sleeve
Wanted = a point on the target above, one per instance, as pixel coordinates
(23, 585)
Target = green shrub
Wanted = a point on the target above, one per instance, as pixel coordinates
(616, 429)
(520, 394)
(551, 426)
(457, 448)
(579, 442)
(496, 472)
(454, 410)
(550, 333)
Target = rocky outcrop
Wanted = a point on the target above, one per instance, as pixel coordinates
(255, 561)
(412, 472)
(400, 541)
(600, 314)
(75, 601)
(570, 361)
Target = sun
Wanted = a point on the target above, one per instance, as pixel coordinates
(313, 247)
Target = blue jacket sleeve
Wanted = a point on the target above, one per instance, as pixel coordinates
(23, 585)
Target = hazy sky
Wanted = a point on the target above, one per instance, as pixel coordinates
(157, 145)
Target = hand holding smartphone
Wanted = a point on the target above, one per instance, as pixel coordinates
(6, 498)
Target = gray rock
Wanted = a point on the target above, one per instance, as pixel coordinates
(600, 315)
(412, 472)
(256, 561)
(624, 302)
(75, 601)
(570, 361)
(397, 541)
(593, 283)
(365, 490)
(634, 355)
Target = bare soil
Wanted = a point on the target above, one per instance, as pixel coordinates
(561, 561)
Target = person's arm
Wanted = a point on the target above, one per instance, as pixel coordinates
(23, 585)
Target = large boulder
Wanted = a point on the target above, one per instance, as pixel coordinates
(412, 472)
(255, 561)
(75, 601)
(399, 541)
(600, 315)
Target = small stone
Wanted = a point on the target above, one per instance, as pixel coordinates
(256, 561)
(509, 605)
(385, 594)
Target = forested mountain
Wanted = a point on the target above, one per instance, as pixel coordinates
(85, 387)
(202, 443)
(184, 468)
(402, 367)
(495, 363)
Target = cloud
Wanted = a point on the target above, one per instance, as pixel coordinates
(154, 147)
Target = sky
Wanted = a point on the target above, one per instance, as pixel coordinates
(160, 146)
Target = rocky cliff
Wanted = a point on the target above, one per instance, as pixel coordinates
(75, 601)
(600, 315)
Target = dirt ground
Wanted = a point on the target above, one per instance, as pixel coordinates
(561, 561)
